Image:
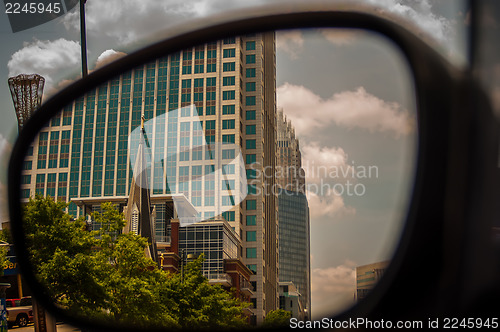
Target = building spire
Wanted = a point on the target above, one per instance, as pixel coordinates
(139, 215)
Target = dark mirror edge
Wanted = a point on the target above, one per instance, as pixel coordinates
(432, 75)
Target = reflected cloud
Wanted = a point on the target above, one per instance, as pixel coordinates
(327, 206)
(290, 42)
(350, 109)
(334, 288)
(46, 58)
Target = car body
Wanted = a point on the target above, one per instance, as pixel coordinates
(9, 303)
(22, 314)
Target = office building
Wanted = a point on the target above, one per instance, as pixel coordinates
(367, 277)
(293, 216)
(205, 108)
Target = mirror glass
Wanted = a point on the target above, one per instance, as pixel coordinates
(218, 184)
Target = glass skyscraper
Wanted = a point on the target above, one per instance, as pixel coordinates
(203, 108)
(293, 212)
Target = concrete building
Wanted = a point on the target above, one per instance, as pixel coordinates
(290, 300)
(205, 108)
(367, 277)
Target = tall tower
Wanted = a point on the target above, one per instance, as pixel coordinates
(204, 107)
(293, 215)
(26, 91)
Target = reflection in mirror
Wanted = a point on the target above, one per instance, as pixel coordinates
(220, 183)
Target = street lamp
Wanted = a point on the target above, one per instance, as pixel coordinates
(83, 38)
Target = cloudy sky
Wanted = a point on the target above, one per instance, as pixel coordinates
(349, 95)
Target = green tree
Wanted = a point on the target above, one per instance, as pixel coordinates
(278, 318)
(4, 249)
(106, 274)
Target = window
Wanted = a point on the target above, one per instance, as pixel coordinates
(228, 169)
(198, 68)
(229, 53)
(251, 189)
(26, 179)
(250, 58)
(186, 69)
(211, 67)
(227, 200)
(210, 110)
(227, 81)
(251, 236)
(198, 82)
(228, 66)
(228, 154)
(211, 81)
(210, 124)
(251, 252)
(251, 144)
(251, 204)
(250, 130)
(228, 41)
(228, 95)
(228, 139)
(228, 185)
(250, 72)
(27, 165)
(250, 101)
(251, 158)
(210, 96)
(227, 124)
(196, 171)
(25, 193)
(228, 215)
(251, 173)
(250, 45)
(251, 220)
(250, 115)
(250, 86)
(55, 121)
(228, 109)
(197, 154)
(40, 184)
(186, 84)
(253, 268)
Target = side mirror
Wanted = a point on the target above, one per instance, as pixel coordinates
(185, 138)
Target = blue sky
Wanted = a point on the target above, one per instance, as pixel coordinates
(357, 79)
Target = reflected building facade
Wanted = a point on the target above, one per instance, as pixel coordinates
(293, 217)
(221, 93)
(367, 276)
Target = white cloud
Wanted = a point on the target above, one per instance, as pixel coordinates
(332, 289)
(341, 36)
(46, 58)
(107, 57)
(419, 13)
(350, 109)
(129, 21)
(320, 162)
(290, 42)
(327, 204)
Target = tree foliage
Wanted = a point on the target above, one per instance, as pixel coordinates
(278, 318)
(4, 249)
(105, 274)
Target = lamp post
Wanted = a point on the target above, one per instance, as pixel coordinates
(83, 38)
